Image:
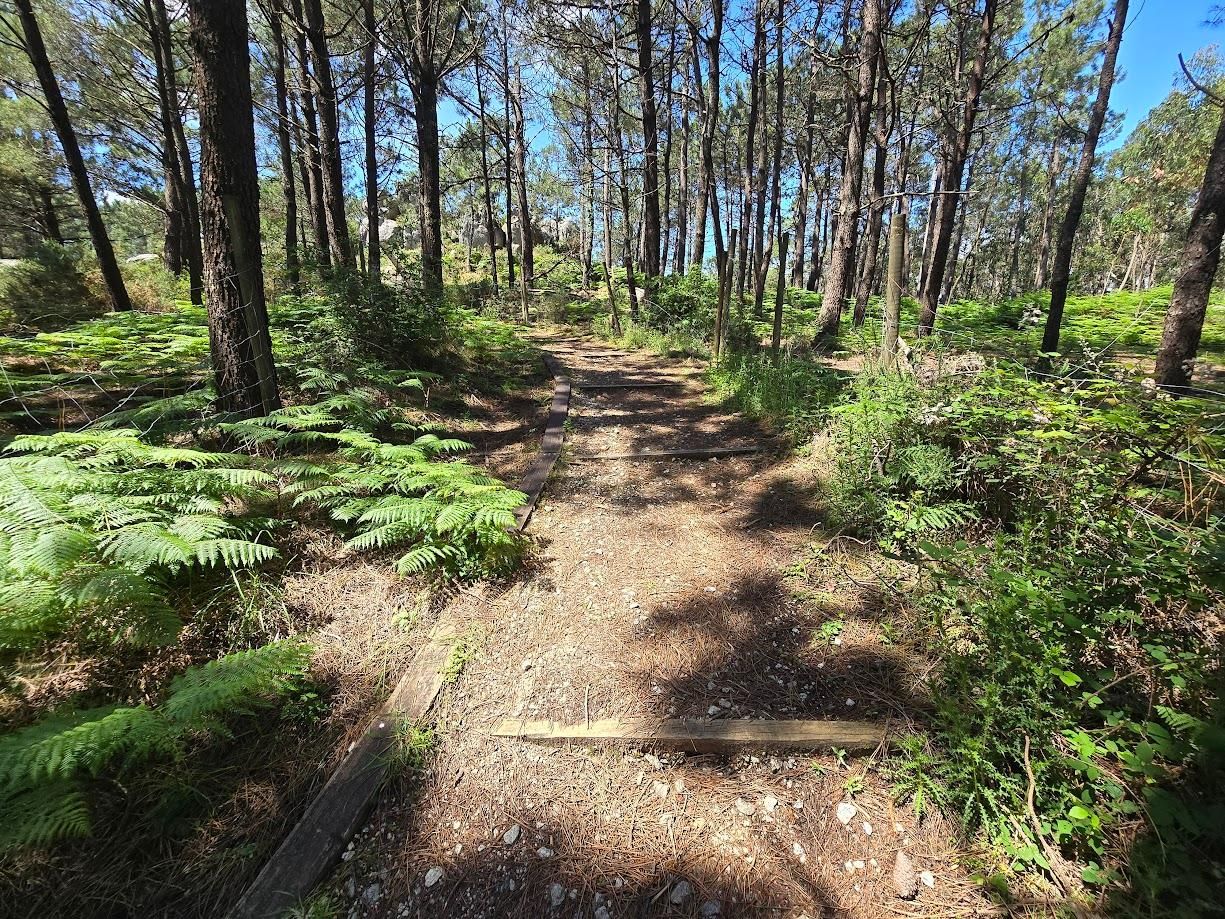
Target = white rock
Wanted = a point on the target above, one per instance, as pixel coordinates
(511, 836)
(433, 876)
(544, 852)
(859, 864)
(557, 894)
(746, 807)
(660, 789)
(928, 879)
(846, 812)
(867, 828)
(769, 802)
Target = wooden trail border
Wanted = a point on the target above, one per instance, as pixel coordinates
(682, 453)
(639, 384)
(693, 736)
(316, 842)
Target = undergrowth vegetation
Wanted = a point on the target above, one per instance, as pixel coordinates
(1070, 553)
(132, 515)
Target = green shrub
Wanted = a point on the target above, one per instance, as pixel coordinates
(1073, 555)
(794, 394)
(47, 290)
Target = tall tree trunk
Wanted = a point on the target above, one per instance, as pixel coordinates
(707, 198)
(1061, 272)
(429, 165)
(805, 156)
(510, 232)
(665, 241)
(487, 192)
(587, 167)
(292, 267)
(1184, 321)
(682, 198)
(185, 172)
(618, 145)
(776, 169)
(174, 246)
(950, 271)
(614, 317)
(650, 150)
(329, 136)
(234, 279)
(374, 254)
(1042, 265)
(58, 112)
(310, 123)
(876, 209)
(842, 255)
(959, 148)
(527, 260)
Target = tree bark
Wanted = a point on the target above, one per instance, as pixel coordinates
(374, 252)
(58, 112)
(650, 150)
(429, 165)
(329, 137)
(527, 250)
(310, 122)
(293, 271)
(709, 99)
(1061, 272)
(1184, 321)
(876, 208)
(842, 254)
(780, 297)
(486, 190)
(959, 148)
(234, 281)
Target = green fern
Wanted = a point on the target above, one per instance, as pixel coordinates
(44, 769)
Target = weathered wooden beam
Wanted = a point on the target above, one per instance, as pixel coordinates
(316, 842)
(695, 736)
(533, 481)
(640, 384)
(682, 453)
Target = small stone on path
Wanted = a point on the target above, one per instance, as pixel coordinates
(511, 836)
(433, 876)
(846, 812)
(746, 807)
(681, 893)
(557, 894)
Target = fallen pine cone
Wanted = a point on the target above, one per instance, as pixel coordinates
(905, 881)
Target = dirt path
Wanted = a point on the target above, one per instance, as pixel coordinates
(658, 588)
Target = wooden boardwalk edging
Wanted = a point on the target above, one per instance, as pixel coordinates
(697, 736)
(316, 841)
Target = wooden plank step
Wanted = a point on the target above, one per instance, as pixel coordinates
(682, 453)
(642, 384)
(537, 474)
(315, 843)
(693, 736)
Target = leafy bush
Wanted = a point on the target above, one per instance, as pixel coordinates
(794, 394)
(1074, 628)
(47, 290)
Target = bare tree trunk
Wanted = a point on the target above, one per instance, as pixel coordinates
(1061, 273)
(805, 192)
(1043, 264)
(588, 170)
(238, 317)
(682, 200)
(1184, 321)
(527, 251)
(707, 198)
(876, 209)
(329, 137)
(650, 130)
(665, 241)
(487, 194)
(959, 148)
(58, 112)
(614, 317)
(292, 268)
(310, 120)
(842, 255)
(780, 298)
(160, 30)
(374, 255)
(510, 233)
(618, 144)
(893, 286)
(776, 169)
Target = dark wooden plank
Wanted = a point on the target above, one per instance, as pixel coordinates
(640, 384)
(315, 843)
(533, 481)
(682, 453)
(703, 736)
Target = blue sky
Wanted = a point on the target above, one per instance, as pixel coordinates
(1157, 32)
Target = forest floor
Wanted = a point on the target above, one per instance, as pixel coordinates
(681, 588)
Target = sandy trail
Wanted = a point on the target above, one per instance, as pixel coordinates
(657, 588)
